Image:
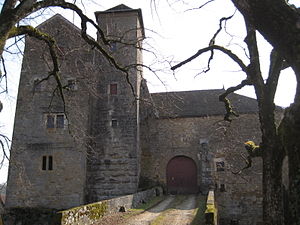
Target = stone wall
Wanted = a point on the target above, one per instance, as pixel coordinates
(114, 157)
(48, 163)
(81, 215)
(88, 214)
(209, 142)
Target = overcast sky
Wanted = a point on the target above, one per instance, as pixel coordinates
(174, 32)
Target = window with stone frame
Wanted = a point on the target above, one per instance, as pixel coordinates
(114, 123)
(47, 162)
(55, 120)
(113, 89)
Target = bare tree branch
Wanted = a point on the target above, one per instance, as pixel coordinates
(223, 98)
(201, 6)
(228, 52)
(253, 70)
(4, 75)
(276, 65)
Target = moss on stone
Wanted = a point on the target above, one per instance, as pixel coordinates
(92, 211)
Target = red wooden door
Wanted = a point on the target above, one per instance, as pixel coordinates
(182, 176)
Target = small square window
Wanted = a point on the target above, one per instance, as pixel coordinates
(220, 166)
(222, 187)
(114, 123)
(113, 89)
(72, 84)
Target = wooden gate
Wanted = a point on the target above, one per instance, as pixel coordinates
(182, 176)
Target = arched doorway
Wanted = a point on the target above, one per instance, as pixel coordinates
(182, 175)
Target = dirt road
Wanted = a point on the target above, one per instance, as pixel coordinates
(174, 210)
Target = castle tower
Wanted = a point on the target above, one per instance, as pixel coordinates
(113, 160)
(48, 156)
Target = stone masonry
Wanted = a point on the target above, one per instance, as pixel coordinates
(112, 137)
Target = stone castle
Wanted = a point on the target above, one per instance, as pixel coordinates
(111, 137)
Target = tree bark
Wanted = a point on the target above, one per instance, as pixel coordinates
(290, 132)
(273, 154)
(279, 23)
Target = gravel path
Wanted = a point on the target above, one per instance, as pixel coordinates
(146, 217)
(174, 210)
(182, 214)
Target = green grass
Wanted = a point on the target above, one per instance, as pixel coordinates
(143, 207)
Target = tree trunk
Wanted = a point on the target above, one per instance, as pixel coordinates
(273, 154)
(272, 188)
(290, 132)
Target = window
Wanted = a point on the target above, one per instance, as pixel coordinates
(50, 121)
(222, 187)
(114, 123)
(50, 162)
(113, 46)
(72, 84)
(113, 89)
(60, 121)
(44, 165)
(220, 166)
(47, 162)
(55, 120)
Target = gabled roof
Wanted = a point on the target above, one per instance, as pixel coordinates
(200, 103)
(59, 18)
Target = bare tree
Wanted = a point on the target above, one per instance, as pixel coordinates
(279, 23)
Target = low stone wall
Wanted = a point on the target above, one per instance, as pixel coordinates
(87, 214)
(81, 215)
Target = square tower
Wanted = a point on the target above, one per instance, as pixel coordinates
(113, 163)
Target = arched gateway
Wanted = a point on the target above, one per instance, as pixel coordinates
(182, 175)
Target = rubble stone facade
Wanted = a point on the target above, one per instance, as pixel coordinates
(111, 137)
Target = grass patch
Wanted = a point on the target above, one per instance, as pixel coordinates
(154, 201)
(199, 218)
(143, 207)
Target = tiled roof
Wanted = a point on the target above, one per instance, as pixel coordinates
(200, 103)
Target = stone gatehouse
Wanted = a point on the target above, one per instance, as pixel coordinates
(112, 137)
